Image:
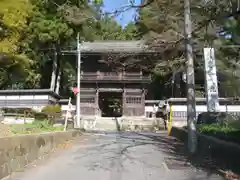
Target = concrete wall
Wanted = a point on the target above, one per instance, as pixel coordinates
(18, 151)
(122, 123)
(222, 153)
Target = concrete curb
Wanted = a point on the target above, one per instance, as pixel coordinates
(225, 154)
(18, 151)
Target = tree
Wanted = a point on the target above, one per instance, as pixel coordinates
(161, 26)
(52, 28)
(228, 55)
(13, 21)
(47, 31)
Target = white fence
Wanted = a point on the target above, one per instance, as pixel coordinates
(179, 107)
(180, 111)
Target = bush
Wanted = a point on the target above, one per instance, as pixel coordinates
(214, 128)
(40, 116)
(52, 111)
(229, 131)
(214, 118)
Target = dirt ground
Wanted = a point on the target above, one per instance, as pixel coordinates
(5, 130)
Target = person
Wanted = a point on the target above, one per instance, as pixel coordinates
(166, 113)
(154, 111)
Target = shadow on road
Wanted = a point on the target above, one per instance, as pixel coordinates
(175, 153)
(208, 163)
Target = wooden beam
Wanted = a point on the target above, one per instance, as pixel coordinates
(110, 90)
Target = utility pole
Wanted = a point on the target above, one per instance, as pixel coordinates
(191, 101)
(78, 82)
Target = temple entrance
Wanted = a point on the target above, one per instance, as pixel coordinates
(110, 104)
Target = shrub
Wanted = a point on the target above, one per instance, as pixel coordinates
(213, 118)
(229, 132)
(40, 116)
(214, 128)
(52, 111)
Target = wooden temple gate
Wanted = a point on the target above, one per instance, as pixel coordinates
(132, 102)
(97, 77)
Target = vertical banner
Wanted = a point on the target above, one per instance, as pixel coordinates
(211, 82)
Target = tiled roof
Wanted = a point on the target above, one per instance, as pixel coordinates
(114, 46)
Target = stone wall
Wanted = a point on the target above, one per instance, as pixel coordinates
(224, 154)
(17, 151)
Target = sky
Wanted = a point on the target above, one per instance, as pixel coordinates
(124, 18)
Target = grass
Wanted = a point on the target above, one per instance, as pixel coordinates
(35, 127)
(228, 132)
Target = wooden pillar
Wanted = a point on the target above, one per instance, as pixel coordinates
(97, 112)
(177, 90)
(143, 102)
(124, 102)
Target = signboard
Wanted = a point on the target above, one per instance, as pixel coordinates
(211, 83)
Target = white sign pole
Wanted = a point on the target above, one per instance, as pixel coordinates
(211, 82)
(78, 110)
(69, 109)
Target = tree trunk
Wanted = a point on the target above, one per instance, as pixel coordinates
(54, 72)
(58, 81)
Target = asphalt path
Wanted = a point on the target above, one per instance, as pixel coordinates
(116, 156)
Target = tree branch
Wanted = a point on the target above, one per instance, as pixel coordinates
(128, 7)
(144, 4)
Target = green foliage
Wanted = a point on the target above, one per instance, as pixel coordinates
(131, 32)
(215, 128)
(13, 20)
(51, 109)
(31, 31)
(52, 112)
(36, 127)
(14, 64)
(39, 116)
(228, 56)
(229, 131)
(161, 24)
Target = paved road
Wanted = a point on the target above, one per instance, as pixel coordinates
(125, 156)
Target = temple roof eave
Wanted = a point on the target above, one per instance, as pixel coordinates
(115, 47)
